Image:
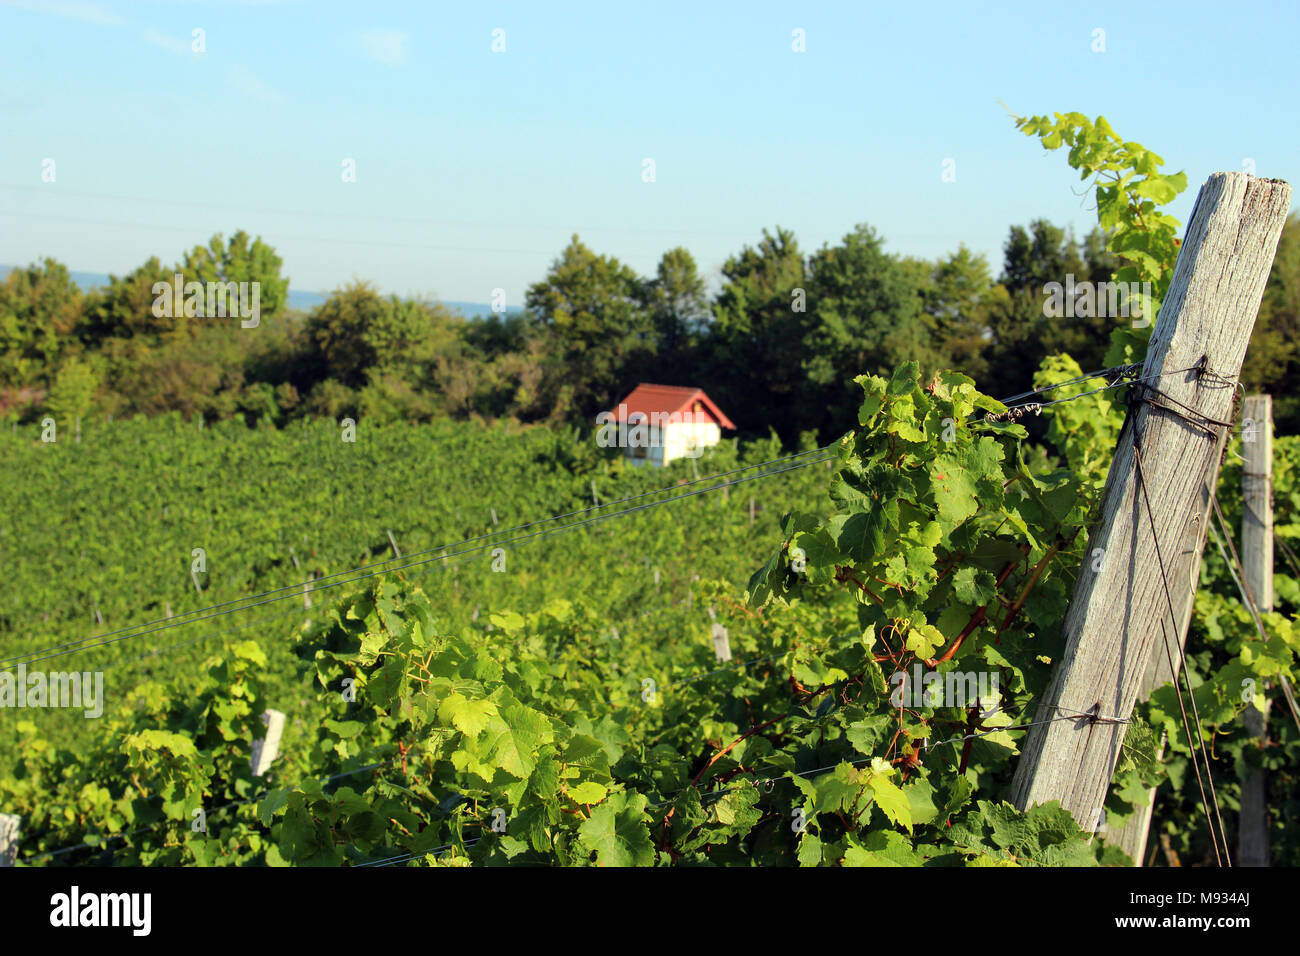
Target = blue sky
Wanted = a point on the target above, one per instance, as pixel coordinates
(473, 168)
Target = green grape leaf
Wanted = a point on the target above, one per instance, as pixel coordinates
(616, 831)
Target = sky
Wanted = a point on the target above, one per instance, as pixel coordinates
(474, 166)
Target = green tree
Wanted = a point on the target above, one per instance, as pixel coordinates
(240, 260)
(679, 309)
(1021, 330)
(408, 336)
(958, 296)
(866, 317)
(73, 391)
(1273, 359)
(754, 356)
(199, 374)
(589, 314)
(125, 308)
(388, 349)
(40, 306)
(337, 330)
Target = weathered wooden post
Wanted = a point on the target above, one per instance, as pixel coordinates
(1257, 565)
(721, 640)
(10, 828)
(1166, 459)
(265, 750)
(1164, 668)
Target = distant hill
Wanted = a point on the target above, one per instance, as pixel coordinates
(301, 300)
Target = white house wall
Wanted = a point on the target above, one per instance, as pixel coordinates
(681, 437)
(676, 441)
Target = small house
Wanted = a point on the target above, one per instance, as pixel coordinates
(657, 424)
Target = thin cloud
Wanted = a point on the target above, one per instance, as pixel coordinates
(169, 43)
(86, 12)
(248, 83)
(385, 46)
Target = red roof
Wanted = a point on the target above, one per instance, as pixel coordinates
(667, 399)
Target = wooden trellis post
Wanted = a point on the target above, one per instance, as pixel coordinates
(265, 750)
(1257, 565)
(1186, 569)
(1119, 615)
(721, 641)
(10, 828)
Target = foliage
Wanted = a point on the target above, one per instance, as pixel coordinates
(560, 709)
(39, 308)
(73, 391)
(590, 311)
(240, 260)
(1229, 663)
(597, 744)
(1129, 189)
(1022, 333)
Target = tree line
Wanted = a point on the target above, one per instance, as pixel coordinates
(777, 347)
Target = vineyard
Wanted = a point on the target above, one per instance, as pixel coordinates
(501, 644)
(571, 708)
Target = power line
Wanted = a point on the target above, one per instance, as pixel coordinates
(335, 240)
(337, 776)
(249, 601)
(316, 585)
(60, 193)
(1238, 575)
(1077, 380)
(164, 824)
(1220, 853)
(758, 782)
(492, 544)
(596, 520)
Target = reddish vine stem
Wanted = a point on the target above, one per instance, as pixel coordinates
(980, 615)
(663, 835)
(976, 619)
(972, 724)
(843, 574)
(727, 749)
(1034, 575)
